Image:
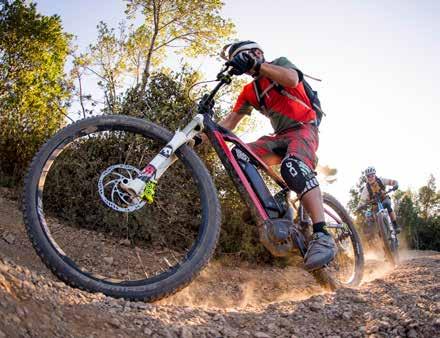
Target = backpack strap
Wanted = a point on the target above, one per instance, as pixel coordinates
(280, 89)
(260, 96)
(381, 185)
(370, 191)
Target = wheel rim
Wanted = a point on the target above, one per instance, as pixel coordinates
(140, 255)
(343, 266)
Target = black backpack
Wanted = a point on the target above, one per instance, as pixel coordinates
(314, 100)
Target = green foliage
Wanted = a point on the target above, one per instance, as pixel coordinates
(33, 94)
(419, 215)
(355, 194)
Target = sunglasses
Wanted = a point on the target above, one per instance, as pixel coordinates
(370, 175)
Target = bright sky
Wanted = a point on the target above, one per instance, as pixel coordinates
(379, 61)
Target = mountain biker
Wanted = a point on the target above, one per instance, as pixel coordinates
(295, 139)
(376, 185)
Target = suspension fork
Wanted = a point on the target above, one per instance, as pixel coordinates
(143, 186)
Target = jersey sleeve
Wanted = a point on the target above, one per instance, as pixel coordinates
(285, 62)
(387, 181)
(242, 105)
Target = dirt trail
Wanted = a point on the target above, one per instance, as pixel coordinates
(224, 301)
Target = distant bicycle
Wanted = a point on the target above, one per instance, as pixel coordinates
(376, 213)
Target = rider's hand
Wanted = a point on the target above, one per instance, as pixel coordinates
(242, 63)
(395, 186)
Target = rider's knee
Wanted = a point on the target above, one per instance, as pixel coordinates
(298, 175)
(387, 205)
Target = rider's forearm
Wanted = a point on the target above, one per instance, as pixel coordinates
(284, 76)
(231, 120)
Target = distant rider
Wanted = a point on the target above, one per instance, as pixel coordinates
(377, 185)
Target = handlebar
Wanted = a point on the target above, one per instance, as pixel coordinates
(391, 190)
(224, 77)
(378, 195)
(374, 200)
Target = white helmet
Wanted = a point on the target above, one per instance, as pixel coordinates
(232, 49)
(369, 171)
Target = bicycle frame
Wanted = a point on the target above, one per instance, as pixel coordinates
(219, 137)
(381, 210)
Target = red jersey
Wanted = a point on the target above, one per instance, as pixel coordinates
(282, 111)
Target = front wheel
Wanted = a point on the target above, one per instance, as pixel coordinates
(92, 236)
(389, 242)
(347, 268)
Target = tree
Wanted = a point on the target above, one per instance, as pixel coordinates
(33, 92)
(355, 194)
(429, 199)
(418, 213)
(407, 215)
(193, 26)
(123, 59)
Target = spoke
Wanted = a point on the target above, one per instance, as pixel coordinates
(118, 174)
(112, 181)
(140, 261)
(121, 196)
(172, 254)
(142, 157)
(128, 153)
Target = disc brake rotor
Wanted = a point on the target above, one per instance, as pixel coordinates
(112, 194)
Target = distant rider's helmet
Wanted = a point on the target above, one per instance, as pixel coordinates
(232, 49)
(370, 171)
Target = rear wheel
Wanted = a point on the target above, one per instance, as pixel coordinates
(348, 266)
(87, 232)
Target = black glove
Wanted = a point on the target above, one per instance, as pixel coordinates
(395, 186)
(242, 63)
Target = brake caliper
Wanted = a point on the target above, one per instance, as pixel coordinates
(149, 192)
